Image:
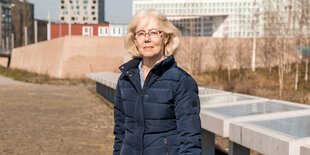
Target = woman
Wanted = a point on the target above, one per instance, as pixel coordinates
(156, 109)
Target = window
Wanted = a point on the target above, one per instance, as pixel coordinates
(85, 1)
(87, 31)
(94, 18)
(86, 13)
(85, 7)
(62, 2)
(77, 1)
(62, 18)
(94, 2)
(72, 18)
(93, 7)
(77, 7)
(93, 13)
(62, 7)
(70, 1)
(78, 12)
(103, 31)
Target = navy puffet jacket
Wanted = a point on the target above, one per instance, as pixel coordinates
(160, 119)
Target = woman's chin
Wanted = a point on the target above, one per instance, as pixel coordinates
(149, 54)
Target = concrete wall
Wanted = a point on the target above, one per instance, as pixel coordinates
(73, 57)
(70, 57)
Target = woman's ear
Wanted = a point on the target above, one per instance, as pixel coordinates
(166, 39)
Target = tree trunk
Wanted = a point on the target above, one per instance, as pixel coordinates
(229, 75)
(296, 77)
(297, 66)
(306, 73)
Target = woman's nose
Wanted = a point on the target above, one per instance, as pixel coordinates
(147, 37)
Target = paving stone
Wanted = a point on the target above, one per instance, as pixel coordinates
(53, 120)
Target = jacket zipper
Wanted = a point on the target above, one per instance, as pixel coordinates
(166, 145)
(147, 79)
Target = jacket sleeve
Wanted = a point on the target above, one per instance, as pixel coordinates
(187, 108)
(119, 120)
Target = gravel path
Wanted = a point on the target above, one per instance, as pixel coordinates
(53, 120)
(8, 81)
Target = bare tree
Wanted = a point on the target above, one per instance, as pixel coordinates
(255, 14)
(191, 56)
(278, 26)
(239, 54)
(302, 21)
(268, 54)
(307, 25)
(219, 52)
(307, 60)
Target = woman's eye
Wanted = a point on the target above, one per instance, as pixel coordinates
(140, 34)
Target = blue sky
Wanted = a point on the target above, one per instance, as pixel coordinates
(117, 11)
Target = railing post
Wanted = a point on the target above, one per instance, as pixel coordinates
(236, 149)
(207, 142)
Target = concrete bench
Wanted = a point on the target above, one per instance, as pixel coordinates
(249, 122)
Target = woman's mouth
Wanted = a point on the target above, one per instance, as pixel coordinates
(146, 47)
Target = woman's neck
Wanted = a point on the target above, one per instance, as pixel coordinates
(149, 63)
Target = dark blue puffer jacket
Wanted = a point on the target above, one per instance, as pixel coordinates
(160, 119)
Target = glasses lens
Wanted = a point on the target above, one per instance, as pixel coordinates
(140, 34)
(154, 34)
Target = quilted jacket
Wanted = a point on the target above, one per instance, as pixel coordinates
(162, 118)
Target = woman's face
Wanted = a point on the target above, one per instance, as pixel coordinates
(149, 39)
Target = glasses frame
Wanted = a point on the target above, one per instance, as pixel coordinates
(145, 33)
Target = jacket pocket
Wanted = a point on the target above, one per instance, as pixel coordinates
(166, 145)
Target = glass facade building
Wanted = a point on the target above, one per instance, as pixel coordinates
(218, 18)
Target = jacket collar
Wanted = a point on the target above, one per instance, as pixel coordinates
(160, 67)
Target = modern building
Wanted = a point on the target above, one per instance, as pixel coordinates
(81, 11)
(6, 23)
(218, 18)
(22, 13)
(101, 30)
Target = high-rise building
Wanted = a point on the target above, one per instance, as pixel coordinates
(221, 18)
(81, 11)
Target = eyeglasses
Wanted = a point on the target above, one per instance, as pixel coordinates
(153, 34)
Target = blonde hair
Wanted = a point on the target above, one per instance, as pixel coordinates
(168, 28)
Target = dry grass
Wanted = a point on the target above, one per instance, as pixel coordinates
(25, 76)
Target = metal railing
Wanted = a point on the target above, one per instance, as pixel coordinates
(6, 52)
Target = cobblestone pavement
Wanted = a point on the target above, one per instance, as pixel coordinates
(53, 120)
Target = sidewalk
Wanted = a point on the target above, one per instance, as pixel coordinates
(53, 120)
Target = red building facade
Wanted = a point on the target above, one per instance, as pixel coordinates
(59, 30)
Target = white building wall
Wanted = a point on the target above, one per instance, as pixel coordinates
(117, 30)
(83, 11)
